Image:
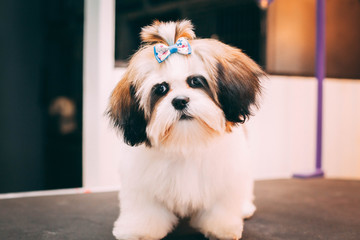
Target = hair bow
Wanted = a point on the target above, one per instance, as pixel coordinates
(161, 51)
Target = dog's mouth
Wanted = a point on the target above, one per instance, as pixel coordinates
(185, 117)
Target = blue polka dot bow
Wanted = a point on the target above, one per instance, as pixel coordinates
(161, 51)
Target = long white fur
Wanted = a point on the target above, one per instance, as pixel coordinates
(200, 171)
(212, 185)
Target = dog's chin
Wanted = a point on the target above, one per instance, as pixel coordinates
(187, 133)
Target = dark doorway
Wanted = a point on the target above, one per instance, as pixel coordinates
(41, 94)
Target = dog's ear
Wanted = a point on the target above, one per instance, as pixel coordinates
(238, 83)
(126, 114)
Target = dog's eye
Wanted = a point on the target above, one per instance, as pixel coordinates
(195, 82)
(161, 89)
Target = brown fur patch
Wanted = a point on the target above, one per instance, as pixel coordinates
(150, 34)
(184, 29)
(155, 33)
(207, 128)
(235, 75)
(229, 126)
(166, 134)
(121, 97)
(126, 114)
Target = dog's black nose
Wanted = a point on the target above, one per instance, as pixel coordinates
(180, 102)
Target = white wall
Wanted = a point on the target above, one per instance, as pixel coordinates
(342, 128)
(282, 134)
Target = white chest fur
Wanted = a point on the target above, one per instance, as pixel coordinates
(189, 181)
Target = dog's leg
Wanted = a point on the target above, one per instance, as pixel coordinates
(142, 219)
(219, 222)
(248, 209)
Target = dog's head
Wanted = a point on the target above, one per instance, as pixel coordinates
(186, 99)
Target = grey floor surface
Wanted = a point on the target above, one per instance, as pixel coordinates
(287, 210)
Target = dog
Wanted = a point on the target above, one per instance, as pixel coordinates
(181, 103)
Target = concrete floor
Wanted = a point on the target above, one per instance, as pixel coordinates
(287, 210)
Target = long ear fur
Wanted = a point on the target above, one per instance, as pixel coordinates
(238, 83)
(125, 113)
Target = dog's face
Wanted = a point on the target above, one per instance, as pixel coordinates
(187, 99)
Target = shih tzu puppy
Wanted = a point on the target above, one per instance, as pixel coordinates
(181, 102)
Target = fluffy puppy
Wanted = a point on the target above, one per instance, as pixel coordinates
(184, 113)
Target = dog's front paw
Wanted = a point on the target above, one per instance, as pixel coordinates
(248, 210)
(123, 232)
(225, 232)
(219, 226)
(215, 238)
(142, 225)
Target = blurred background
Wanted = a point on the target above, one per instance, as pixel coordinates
(41, 59)
(59, 61)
